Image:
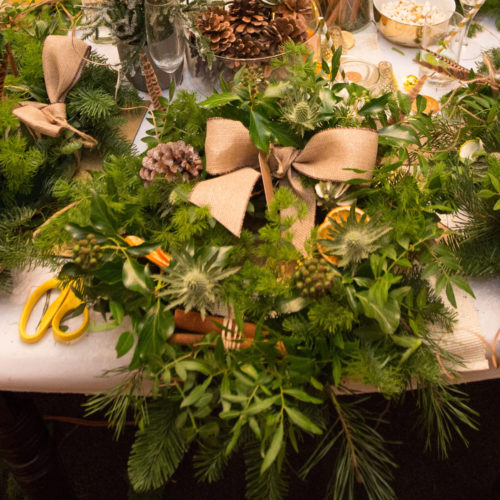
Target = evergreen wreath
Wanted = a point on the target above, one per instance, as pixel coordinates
(30, 167)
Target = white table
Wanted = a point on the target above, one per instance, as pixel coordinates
(50, 366)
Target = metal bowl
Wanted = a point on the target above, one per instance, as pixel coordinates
(407, 34)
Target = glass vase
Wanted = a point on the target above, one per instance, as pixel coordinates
(350, 15)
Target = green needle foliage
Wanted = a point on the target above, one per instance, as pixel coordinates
(158, 449)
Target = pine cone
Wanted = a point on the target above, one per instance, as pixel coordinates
(292, 26)
(172, 160)
(215, 24)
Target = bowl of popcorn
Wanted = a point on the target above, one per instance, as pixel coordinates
(402, 21)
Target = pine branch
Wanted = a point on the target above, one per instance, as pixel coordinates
(444, 410)
(210, 461)
(91, 105)
(119, 400)
(157, 450)
(273, 484)
(361, 457)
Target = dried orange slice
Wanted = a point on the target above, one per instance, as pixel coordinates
(158, 257)
(339, 215)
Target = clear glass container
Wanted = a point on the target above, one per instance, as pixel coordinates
(361, 72)
(204, 77)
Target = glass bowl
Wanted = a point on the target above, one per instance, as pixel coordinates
(361, 72)
(204, 77)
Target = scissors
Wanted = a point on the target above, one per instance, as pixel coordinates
(65, 303)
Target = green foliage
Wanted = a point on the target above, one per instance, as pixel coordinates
(18, 165)
(373, 324)
(157, 450)
(443, 410)
(183, 119)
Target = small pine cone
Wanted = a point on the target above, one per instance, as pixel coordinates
(214, 24)
(303, 7)
(171, 160)
(292, 26)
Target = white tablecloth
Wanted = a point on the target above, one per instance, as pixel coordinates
(77, 367)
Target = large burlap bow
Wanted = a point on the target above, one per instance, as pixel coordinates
(337, 154)
(63, 59)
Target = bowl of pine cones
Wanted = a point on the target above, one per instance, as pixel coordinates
(249, 33)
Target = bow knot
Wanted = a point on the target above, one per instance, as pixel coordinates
(330, 155)
(281, 159)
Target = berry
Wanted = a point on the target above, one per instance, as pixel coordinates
(314, 278)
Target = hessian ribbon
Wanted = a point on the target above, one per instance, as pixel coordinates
(63, 59)
(338, 154)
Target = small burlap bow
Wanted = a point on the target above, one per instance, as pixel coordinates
(63, 59)
(337, 155)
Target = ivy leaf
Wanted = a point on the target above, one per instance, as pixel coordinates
(375, 105)
(395, 134)
(101, 217)
(124, 344)
(298, 418)
(259, 131)
(80, 232)
(110, 272)
(136, 278)
(274, 449)
(216, 100)
(153, 333)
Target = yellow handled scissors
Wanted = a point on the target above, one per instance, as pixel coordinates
(65, 303)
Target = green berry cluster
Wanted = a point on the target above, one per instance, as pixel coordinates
(87, 252)
(314, 278)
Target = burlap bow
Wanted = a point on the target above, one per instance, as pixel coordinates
(63, 59)
(337, 154)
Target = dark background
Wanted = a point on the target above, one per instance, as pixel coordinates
(96, 464)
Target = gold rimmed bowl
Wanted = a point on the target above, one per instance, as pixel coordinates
(406, 33)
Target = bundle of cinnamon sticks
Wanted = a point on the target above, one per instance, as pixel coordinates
(194, 328)
(343, 13)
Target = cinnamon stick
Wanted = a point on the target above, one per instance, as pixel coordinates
(192, 322)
